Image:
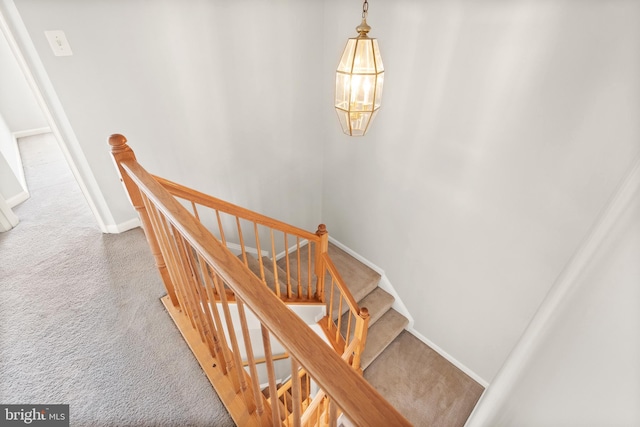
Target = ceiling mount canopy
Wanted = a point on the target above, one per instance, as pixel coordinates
(359, 80)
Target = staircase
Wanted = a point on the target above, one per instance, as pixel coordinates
(208, 289)
(385, 323)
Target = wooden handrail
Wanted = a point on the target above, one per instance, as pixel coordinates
(269, 228)
(353, 334)
(213, 202)
(356, 397)
(344, 290)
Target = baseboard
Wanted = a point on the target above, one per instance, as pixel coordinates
(291, 248)
(31, 132)
(357, 256)
(399, 306)
(123, 226)
(248, 249)
(17, 199)
(135, 222)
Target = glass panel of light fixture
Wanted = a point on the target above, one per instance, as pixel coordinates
(379, 84)
(364, 62)
(362, 87)
(373, 116)
(346, 61)
(343, 85)
(343, 116)
(359, 123)
(376, 50)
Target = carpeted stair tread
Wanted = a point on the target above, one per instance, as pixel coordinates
(359, 278)
(282, 276)
(270, 278)
(381, 334)
(298, 271)
(378, 302)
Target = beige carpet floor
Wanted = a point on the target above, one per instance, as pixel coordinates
(81, 322)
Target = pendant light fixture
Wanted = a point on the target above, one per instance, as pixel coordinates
(359, 80)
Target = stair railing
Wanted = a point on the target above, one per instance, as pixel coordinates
(320, 408)
(235, 226)
(345, 324)
(197, 269)
(306, 258)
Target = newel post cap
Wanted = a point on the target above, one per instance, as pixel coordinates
(118, 143)
(322, 229)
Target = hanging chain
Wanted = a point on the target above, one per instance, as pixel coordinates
(365, 9)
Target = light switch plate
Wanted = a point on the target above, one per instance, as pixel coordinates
(58, 42)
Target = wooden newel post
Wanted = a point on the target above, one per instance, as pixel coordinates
(121, 152)
(360, 333)
(323, 248)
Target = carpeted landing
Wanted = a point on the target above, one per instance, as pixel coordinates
(426, 388)
(81, 322)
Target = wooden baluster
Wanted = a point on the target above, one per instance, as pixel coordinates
(248, 398)
(275, 266)
(120, 152)
(286, 257)
(193, 278)
(331, 299)
(220, 229)
(295, 395)
(244, 252)
(222, 237)
(160, 233)
(318, 414)
(362, 327)
(307, 389)
(260, 262)
(176, 270)
(309, 270)
(209, 326)
(210, 302)
(348, 335)
(333, 414)
(325, 409)
(222, 348)
(299, 267)
(195, 210)
(187, 278)
(255, 384)
(287, 412)
(271, 375)
(339, 319)
(321, 249)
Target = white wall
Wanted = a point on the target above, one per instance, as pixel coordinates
(10, 186)
(583, 369)
(505, 128)
(17, 103)
(219, 95)
(18, 112)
